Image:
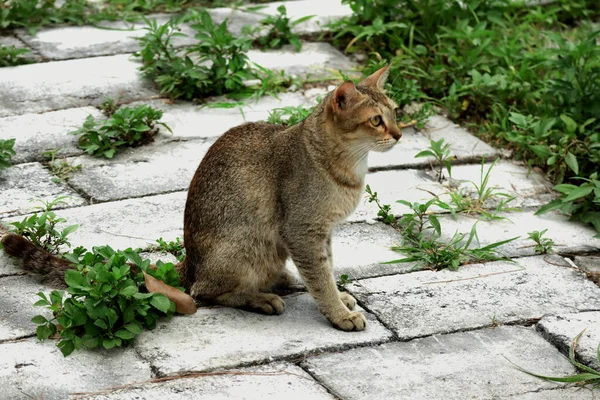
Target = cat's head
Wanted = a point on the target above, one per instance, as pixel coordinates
(362, 115)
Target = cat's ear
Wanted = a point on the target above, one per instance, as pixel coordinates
(344, 96)
(377, 79)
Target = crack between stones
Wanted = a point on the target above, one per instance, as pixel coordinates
(18, 339)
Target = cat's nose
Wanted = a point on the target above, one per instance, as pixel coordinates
(396, 133)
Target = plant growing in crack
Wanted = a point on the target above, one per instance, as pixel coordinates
(61, 169)
(6, 152)
(542, 245)
(440, 152)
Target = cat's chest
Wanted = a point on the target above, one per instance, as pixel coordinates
(344, 202)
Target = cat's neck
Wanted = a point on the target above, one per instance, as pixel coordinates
(346, 165)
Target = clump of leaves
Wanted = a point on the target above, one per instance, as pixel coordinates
(421, 243)
(440, 152)
(11, 56)
(290, 115)
(6, 152)
(343, 280)
(279, 30)
(582, 202)
(109, 107)
(61, 169)
(542, 245)
(107, 304)
(384, 209)
(587, 376)
(126, 127)
(174, 247)
(40, 228)
(484, 194)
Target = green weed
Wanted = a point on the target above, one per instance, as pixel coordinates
(542, 245)
(587, 376)
(174, 247)
(109, 107)
(384, 209)
(6, 152)
(107, 304)
(464, 203)
(62, 169)
(279, 30)
(290, 115)
(440, 152)
(11, 56)
(40, 228)
(126, 127)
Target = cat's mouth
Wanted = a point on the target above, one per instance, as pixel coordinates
(385, 145)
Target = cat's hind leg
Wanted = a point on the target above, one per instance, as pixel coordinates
(264, 303)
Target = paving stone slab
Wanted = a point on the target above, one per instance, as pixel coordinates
(30, 369)
(23, 182)
(68, 42)
(267, 382)
(141, 171)
(8, 265)
(427, 302)
(14, 42)
(18, 293)
(560, 330)
(569, 236)
(219, 337)
(567, 393)
(590, 264)
(61, 84)
(191, 121)
(465, 365)
(111, 38)
(36, 133)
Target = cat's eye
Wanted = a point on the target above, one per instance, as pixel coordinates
(376, 120)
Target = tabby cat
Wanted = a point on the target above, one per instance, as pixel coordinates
(264, 193)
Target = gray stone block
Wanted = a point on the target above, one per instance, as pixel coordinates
(29, 369)
(36, 133)
(461, 366)
(62, 84)
(24, 182)
(569, 236)
(267, 382)
(18, 293)
(8, 265)
(68, 42)
(14, 42)
(560, 330)
(135, 172)
(217, 337)
(590, 264)
(568, 393)
(425, 303)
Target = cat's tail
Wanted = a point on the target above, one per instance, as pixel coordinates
(51, 268)
(36, 260)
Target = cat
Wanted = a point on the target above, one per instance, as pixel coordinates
(264, 193)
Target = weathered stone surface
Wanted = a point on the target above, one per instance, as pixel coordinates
(24, 182)
(8, 265)
(316, 58)
(463, 146)
(458, 366)
(590, 264)
(18, 293)
(567, 393)
(126, 223)
(141, 171)
(191, 121)
(36, 133)
(562, 329)
(220, 337)
(477, 295)
(30, 369)
(268, 382)
(14, 42)
(61, 84)
(569, 236)
(68, 42)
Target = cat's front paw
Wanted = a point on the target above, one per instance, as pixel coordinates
(348, 300)
(353, 321)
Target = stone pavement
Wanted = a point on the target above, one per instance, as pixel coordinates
(431, 335)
